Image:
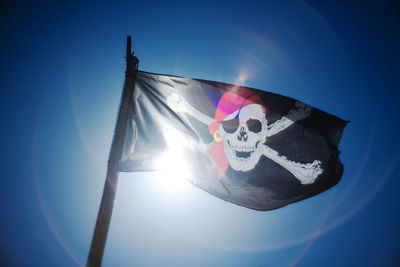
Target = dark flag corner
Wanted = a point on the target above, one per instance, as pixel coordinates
(253, 148)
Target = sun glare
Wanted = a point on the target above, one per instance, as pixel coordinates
(174, 170)
(242, 77)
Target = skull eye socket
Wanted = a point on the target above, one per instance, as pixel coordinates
(254, 125)
(231, 125)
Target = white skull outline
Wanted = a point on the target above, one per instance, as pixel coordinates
(244, 132)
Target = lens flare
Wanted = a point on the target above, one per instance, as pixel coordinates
(42, 205)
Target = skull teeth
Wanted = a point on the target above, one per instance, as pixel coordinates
(242, 148)
(242, 155)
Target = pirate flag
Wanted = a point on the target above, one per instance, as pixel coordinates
(253, 148)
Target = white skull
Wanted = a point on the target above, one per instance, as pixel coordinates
(244, 132)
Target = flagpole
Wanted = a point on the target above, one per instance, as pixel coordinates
(107, 202)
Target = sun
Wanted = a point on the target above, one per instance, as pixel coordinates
(174, 170)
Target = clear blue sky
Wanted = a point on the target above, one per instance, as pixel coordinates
(62, 71)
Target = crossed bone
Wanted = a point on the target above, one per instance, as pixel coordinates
(305, 173)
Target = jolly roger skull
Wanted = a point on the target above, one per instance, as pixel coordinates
(244, 132)
(240, 129)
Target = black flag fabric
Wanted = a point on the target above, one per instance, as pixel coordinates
(253, 148)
